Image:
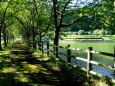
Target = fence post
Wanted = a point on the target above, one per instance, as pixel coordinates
(38, 46)
(48, 48)
(114, 57)
(68, 54)
(89, 58)
(56, 51)
(42, 47)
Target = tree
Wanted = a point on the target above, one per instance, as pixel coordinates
(6, 30)
(7, 11)
(36, 21)
(61, 10)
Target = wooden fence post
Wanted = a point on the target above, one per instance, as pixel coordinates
(89, 58)
(42, 46)
(38, 48)
(68, 54)
(56, 51)
(48, 48)
(114, 57)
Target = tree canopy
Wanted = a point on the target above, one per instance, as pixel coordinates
(33, 19)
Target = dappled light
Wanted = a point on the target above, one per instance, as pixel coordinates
(20, 68)
(57, 42)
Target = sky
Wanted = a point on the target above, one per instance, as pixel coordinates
(82, 3)
(74, 1)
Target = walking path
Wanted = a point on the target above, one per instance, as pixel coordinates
(32, 71)
(22, 68)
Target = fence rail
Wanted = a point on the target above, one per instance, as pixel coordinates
(88, 60)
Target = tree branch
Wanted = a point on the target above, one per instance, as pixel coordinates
(62, 13)
(77, 20)
(46, 29)
(7, 25)
(4, 15)
(21, 22)
(11, 15)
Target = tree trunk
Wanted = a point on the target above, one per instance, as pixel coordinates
(56, 40)
(0, 40)
(34, 41)
(56, 37)
(39, 42)
(4, 37)
(28, 41)
(7, 40)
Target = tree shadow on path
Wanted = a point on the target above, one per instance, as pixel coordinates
(22, 68)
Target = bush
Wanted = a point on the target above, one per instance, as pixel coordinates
(81, 32)
(102, 32)
(89, 33)
(96, 32)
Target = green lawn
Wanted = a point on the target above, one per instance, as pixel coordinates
(75, 37)
(105, 47)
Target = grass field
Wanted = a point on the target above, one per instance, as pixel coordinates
(105, 47)
(75, 37)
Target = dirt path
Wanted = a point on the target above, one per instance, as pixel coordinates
(31, 72)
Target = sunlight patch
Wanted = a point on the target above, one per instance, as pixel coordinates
(32, 68)
(8, 70)
(4, 52)
(40, 56)
(24, 79)
(37, 53)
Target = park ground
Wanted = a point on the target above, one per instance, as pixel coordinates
(22, 66)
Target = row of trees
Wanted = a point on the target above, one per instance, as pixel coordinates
(35, 18)
(91, 32)
(94, 32)
(7, 13)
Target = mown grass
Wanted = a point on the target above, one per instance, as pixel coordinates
(6, 71)
(105, 47)
(75, 37)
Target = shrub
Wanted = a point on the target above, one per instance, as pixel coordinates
(81, 32)
(96, 32)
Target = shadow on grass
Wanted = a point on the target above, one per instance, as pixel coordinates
(4, 61)
(36, 73)
(9, 79)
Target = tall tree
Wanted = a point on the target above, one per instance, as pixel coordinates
(36, 21)
(60, 9)
(7, 11)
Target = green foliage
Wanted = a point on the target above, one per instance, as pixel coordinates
(81, 32)
(28, 18)
(102, 32)
(96, 32)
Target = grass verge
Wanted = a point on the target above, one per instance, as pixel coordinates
(75, 74)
